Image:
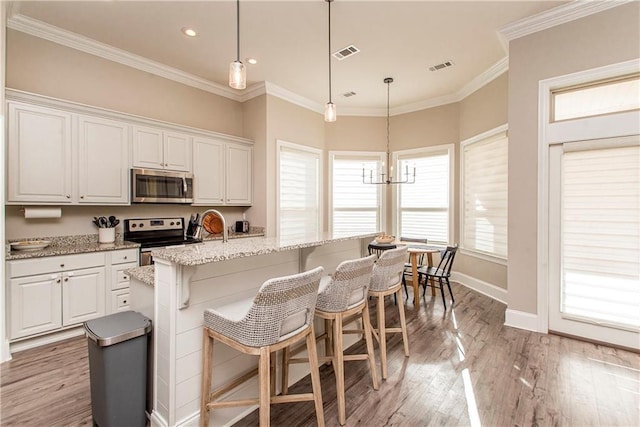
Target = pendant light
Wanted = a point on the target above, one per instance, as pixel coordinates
(330, 107)
(386, 177)
(237, 70)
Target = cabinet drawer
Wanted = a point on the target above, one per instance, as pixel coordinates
(119, 277)
(30, 267)
(120, 300)
(127, 255)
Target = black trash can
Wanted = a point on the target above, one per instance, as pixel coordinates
(118, 368)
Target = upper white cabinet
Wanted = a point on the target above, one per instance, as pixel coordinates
(103, 163)
(40, 155)
(157, 149)
(222, 172)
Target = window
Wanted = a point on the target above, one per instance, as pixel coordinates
(604, 97)
(483, 189)
(299, 189)
(424, 209)
(354, 206)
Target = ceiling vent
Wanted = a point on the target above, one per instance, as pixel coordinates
(445, 64)
(345, 52)
(349, 94)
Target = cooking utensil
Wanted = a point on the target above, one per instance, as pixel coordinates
(112, 220)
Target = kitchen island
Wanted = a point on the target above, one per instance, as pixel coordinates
(191, 279)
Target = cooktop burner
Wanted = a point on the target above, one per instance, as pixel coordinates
(157, 232)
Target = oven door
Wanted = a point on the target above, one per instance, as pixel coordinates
(156, 186)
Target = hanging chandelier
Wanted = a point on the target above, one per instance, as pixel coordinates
(237, 70)
(386, 176)
(330, 107)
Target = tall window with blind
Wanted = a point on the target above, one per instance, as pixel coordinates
(299, 190)
(355, 207)
(424, 208)
(484, 166)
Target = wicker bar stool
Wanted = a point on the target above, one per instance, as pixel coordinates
(387, 280)
(341, 300)
(281, 314)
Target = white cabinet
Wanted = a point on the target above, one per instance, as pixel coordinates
(39, 167)
(35, 304)
(103, 163)
(58, 157)
(239, 176)
(83, 295)
(157, 149)
(222, 173)
(55, 292)
(118, 293)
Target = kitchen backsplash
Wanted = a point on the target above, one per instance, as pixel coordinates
(77, 220)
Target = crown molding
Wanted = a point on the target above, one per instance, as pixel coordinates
(481, 80)
(553, 17)
(294, 98)
(57, 35)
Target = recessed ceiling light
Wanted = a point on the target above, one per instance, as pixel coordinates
(189, 32)
(252, 61)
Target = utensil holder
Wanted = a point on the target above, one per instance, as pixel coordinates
(106, 235)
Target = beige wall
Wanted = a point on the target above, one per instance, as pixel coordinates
(481, 111)
(254, 114)
(46, 68)
(597, 40)
(351, 133)
(291, 123)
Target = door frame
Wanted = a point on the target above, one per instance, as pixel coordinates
(548, 134)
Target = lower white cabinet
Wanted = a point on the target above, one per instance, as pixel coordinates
(54, 293)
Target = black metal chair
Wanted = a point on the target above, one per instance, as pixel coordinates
(378, 248)
(442, 272)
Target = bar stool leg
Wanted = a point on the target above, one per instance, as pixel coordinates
(315, 376)
(284, 375)
(382, 335)
(338, 367)
(264, 370)
(207, 350)
(328, 343)
(403, 323)
(366, 323)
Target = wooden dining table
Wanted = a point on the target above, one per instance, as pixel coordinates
(414, 250)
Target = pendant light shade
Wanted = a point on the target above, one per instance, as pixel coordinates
(237, 70)
(330, 108)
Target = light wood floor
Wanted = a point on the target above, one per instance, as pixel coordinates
(465, 368)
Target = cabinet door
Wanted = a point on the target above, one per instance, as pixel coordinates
(35, 305)
(148, 148)
(208, 172)
(39, 160)
(177, 151)
(239, 178)
(103, 161)
(83, 295)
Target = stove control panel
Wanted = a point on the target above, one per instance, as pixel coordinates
(153, 224)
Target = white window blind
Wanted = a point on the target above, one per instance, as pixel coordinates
(424, 206)
(356, 207)
(299, 191)
(484, 195)
(601, 236)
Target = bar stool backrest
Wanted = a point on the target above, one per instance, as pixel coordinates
(282, 308)
(388, 269)
(349, 285)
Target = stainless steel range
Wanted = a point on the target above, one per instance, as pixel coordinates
(155, 233)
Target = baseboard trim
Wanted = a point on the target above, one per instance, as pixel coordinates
(521, 320)
(485, 288)
(5, 352)
(156, 420)
(46, 339)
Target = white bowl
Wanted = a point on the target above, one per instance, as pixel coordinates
(30, 245)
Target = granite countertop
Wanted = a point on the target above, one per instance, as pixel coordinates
(68, 245)
(239, 248)
(145, 274)
(253, 232)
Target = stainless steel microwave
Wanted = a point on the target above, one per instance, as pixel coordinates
(160, 186)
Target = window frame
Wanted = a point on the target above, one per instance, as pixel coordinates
(356, 155)
(480, 138)
(316, 151)
(397, 156)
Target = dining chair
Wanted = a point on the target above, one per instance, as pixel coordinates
(442, 272)
(379, 248)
